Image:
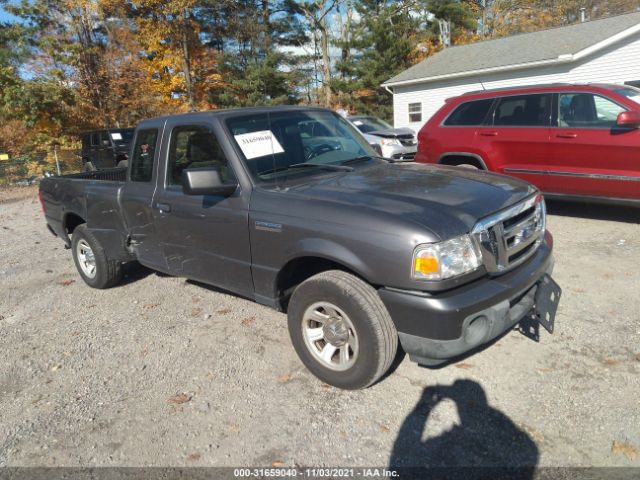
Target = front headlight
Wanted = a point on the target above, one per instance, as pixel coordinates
(439, 261)
(390, 141)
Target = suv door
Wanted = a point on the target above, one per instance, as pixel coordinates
(590, 154)
(203, 237)
(517, 140)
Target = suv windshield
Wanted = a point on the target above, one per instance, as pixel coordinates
(277, 145)
(632, 93)
(122, 137)
(370, 124)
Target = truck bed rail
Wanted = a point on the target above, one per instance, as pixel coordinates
(108, 174)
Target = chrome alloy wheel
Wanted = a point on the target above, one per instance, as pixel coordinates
(330, 336)
(86, 258)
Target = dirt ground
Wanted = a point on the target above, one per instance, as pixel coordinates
(162, 371)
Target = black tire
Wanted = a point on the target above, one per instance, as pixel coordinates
(377, 338)
(88, 167)
(108, 272)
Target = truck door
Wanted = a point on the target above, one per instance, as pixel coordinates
(203, 237)
(137, 198)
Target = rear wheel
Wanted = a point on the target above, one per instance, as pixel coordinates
(95, 268)
(341, 330)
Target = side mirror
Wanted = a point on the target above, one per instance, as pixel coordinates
(206, 181)
(630, 119)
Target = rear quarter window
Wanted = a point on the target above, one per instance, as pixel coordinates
(470, 113)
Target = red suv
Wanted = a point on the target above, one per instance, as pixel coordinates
(571, 141)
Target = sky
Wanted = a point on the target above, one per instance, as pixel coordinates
(4, 16)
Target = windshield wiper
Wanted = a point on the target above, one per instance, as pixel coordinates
(364, 158)
(320, 166)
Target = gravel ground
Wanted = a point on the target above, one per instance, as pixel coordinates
(161, 371)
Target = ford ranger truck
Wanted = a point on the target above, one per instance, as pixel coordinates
(291, 207)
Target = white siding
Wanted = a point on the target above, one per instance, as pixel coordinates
(617, 63)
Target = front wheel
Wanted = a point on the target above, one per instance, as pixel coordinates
(341, 330)
(96, 269)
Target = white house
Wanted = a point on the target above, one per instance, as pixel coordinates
(604, 51)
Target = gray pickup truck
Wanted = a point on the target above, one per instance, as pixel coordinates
(290, 206)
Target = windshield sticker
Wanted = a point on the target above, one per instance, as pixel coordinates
(258, 144)
(358, 122)
(116, 136)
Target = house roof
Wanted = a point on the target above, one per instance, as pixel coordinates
(555, 45)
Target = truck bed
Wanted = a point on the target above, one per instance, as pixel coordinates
(88, 197)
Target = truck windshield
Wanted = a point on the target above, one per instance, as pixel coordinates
(122, 137)
(276, 145)
(370, 124)
(631, 93)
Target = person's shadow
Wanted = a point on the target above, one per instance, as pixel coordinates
(485, 437)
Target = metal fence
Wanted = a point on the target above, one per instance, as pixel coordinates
(30, 167)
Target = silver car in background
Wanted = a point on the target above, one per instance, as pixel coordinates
(399, 144)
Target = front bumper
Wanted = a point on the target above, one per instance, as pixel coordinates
(399, 152)
(434, 328)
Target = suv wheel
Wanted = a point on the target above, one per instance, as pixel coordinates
(341, 330)
(95, 268)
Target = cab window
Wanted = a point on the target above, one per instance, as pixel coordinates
(143, 155)
(195, 146)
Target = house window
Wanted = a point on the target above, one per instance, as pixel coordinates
(415, 112)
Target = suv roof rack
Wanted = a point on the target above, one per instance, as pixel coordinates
(522, 87)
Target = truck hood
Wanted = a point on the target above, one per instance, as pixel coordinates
(402, 133)
(448, 201)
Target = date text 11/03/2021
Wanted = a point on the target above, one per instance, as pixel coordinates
(315, 472)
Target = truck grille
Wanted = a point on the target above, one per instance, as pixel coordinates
(508, 238)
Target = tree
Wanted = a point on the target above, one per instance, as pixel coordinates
(383, 40)
(255, 67)
(317, 13)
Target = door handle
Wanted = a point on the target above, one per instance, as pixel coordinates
(489, 134)
(567, 135)
(163, 207)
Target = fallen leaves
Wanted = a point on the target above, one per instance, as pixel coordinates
(383, 428)
(223, 311)
(194, 457)
(66, 283)
(610, 362)
(195, 312)
(247, 321)
(150, 306)
(464, 366)
(637, 357)
(625, 448)
(234, 427)
(180, 398)
(286, 378)
(277, 464)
